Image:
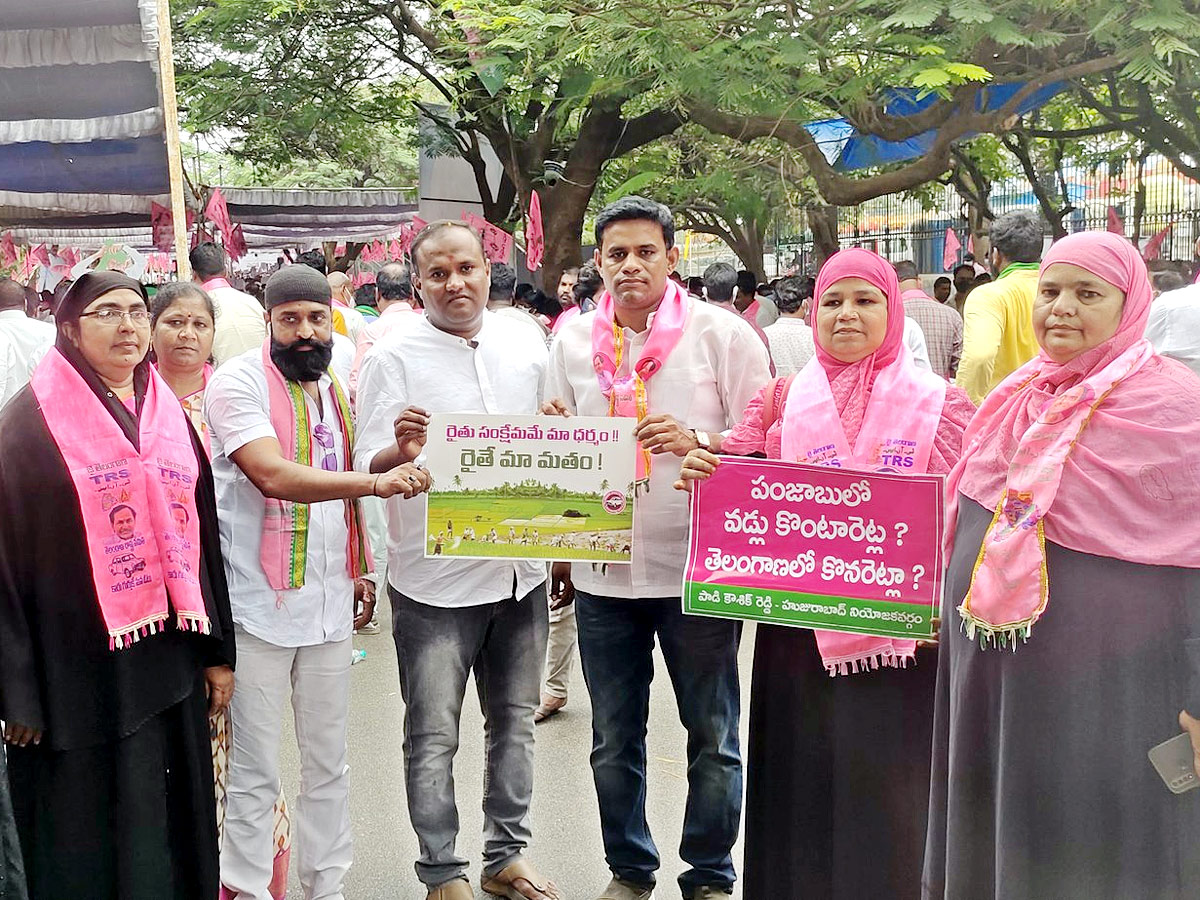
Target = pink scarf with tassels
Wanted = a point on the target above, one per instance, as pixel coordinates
(1097, 454)
(878, 414)
(138, 505)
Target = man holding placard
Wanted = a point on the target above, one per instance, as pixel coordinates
(453, 616)
(675, 364)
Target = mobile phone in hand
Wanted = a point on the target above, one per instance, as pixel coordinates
(1175, 762)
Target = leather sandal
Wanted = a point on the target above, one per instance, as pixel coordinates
(505, 883)
(456, 889)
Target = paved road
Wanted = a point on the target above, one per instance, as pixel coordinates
(566, 828)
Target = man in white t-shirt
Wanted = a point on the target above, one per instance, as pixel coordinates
(290, 537)
(25, 340)
(454, 617)
(240, 323)
(1174, 326)
(709, 367)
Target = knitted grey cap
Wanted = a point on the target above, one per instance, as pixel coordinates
(297, 283)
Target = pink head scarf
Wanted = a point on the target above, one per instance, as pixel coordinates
(1100, 454)
(851, 383)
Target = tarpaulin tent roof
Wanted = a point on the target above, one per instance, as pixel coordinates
(846, 149)
(81, 122)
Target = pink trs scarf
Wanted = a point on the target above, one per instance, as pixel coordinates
(284, 550)
(627, 396)
(140, 577)
(1098, 454)
(878, 414)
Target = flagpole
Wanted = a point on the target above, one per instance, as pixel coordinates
(166, 75)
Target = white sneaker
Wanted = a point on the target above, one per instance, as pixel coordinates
(619, 889)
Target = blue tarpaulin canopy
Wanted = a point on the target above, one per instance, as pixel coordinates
(846, 149)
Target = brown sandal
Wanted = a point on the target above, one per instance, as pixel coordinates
(504, 883)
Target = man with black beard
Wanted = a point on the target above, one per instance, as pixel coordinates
(295, 557)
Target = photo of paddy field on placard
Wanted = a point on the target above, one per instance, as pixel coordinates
(530, 487)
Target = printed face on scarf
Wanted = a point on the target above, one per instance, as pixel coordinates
(453, 277)
(1074, 311)
(635, 263)
(113, 348)
(852, 318)
(301, 339)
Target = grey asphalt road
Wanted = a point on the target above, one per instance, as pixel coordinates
(566, 829)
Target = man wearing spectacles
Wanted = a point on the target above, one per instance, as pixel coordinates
(295, 557)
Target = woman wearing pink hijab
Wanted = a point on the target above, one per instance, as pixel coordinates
(1075, 570)
(841, 725)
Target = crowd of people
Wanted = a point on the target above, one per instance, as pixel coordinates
(203, 493)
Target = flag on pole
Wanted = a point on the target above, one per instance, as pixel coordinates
(218, 213)
(1153, 248)
(1115, 225)
(950, 253)
(535, 238)
(687, 245)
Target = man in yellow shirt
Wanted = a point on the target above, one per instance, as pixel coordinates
(998, 317)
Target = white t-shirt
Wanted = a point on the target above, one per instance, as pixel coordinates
(1174, 326)
(241, 322)
(237, 412)
(502, 371)
(705, 383)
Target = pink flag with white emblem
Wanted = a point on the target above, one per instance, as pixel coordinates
(535, 238)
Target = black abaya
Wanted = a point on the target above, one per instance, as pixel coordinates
(1041, 785)
(838, 775)
(105, 715)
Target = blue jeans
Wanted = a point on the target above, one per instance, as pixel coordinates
(505, 645)
(616, 642)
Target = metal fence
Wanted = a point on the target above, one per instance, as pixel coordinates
(907, 227)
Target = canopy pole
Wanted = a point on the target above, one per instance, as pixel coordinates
(166, 75)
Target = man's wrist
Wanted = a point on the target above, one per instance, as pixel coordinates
(703, 440)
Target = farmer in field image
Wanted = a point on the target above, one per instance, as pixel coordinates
(454, 616)
(676, 364)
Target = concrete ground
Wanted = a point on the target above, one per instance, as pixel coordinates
(566, 828)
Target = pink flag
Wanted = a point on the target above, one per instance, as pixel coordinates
(395, 251)
(235, 243)
(8, 250)
(1153, 248)
(950, 254)
(418, 223)
(407, 233)
(161, 227)
(1115, 225)
(535, 238)
(218, 213)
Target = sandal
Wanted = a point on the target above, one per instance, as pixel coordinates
(505, 883)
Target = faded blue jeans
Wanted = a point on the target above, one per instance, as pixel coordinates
(505, 644)
(616, 643)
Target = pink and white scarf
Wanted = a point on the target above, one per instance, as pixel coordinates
(1093, 454)
(883, 417)
(627, 395)
(138, 505)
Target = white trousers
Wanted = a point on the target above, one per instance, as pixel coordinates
(319, 678)
(560, 651)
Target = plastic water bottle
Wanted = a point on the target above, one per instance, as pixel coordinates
(359, 656)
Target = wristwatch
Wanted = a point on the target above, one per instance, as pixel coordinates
(703, 440)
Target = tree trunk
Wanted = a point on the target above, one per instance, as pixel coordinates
(823, 222)
(1139, 200)
(564, 207)
(748, 245)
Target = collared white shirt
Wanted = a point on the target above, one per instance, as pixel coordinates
(395, 315)
(1174, 326)
(502, 371)
(241, 322)
(705, 383)
(29, 339)
(237, 412)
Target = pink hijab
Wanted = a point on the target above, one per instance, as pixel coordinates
(851, 382)
(1100, 455)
